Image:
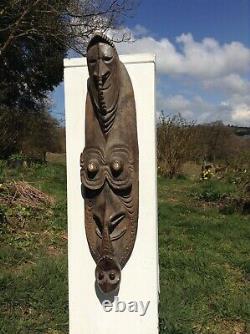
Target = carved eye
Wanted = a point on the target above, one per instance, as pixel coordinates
(92, 168)
(107, 59)
(116, 167)
(101, 276)
(92, 61)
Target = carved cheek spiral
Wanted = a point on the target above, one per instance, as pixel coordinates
(92, 171)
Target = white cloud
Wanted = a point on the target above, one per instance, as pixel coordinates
(140, 30)
(188, 108)
(206, 59)
(240, 109)
(241, 113)
(177, 102)
(235, 110)
(207, 64)
(232, 83)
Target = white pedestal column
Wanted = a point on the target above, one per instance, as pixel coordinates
(139, 281)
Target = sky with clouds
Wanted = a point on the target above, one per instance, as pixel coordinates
(202, 52)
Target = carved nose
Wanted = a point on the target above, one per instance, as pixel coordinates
(101, 73)
(107, 215)
(108, 210)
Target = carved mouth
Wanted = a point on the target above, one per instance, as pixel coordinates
(102, 88)
(114, 222)
(118, 235)
(100, 82)
(105, 77)
(113, 237)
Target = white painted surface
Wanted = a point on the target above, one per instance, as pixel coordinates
(140, 276)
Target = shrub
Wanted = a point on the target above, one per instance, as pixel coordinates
(174, 137)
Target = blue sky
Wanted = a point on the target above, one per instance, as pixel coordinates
(225, 20)
(203, 57)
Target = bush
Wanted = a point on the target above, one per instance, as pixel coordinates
(212, 190)
(174, 137)
(2, 169)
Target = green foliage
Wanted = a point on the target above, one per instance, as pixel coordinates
(35, 37)
(33, 259)
(211, 190)
(17, 156)
(204, 264)
(34, 300)
(3, 165)
(29, 134)
(31, 58)
(209, 195)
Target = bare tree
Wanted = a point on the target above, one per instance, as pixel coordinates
(174, 141)
(35, 37)
(215, 142)
(69, 22)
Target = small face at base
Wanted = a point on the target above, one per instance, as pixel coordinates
(108, 274)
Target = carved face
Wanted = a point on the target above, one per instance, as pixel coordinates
(103, 64)
(108, 274)
(109, 164)
(111, 210)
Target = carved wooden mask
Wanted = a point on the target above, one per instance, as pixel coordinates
(109, 163)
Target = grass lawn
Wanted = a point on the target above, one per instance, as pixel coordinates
(204, 260)
(33, 259)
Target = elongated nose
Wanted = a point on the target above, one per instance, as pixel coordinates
(101, 72)
(108, 214)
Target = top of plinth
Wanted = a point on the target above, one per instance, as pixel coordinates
(126, 59)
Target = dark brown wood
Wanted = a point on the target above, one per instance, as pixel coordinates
(109, 163)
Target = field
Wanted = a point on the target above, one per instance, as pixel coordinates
(204, 259)
(33, 259)
(204, 262)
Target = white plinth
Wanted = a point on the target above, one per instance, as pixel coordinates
(140, 275)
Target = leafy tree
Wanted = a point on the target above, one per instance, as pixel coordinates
(32, 133)
(35, 36)
(39, 137)
(9, 131)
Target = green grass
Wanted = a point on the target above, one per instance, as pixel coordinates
(33, 259)
(204, 263)
(204, 260)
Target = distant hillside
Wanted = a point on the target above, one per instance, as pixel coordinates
(241, 130)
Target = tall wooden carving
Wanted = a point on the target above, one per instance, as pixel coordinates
(109, 163)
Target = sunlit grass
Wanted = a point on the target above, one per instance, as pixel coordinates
(33, 259)
(204, 265)
(204, 260)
